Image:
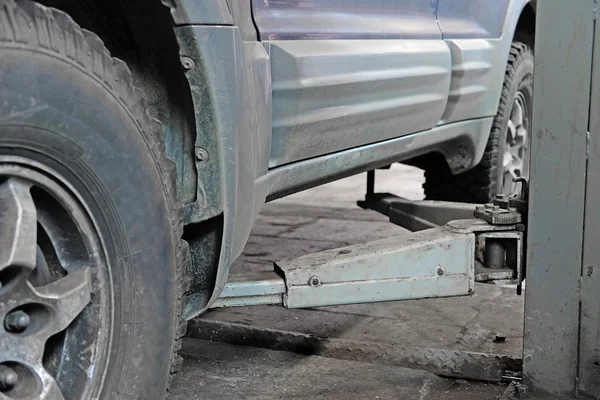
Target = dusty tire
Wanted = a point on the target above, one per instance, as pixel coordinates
(69, 114)
(482, 183)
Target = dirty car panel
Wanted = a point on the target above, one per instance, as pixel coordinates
(327, 104)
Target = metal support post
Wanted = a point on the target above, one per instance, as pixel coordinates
(370, 182)
(563, 59)
(589, 335)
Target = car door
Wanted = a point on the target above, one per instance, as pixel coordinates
(347, 73)
(472, 19)
(475, 33)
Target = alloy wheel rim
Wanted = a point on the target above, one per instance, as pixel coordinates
(515, 158)
(53, 287)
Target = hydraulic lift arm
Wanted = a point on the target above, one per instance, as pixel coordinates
(440, 261)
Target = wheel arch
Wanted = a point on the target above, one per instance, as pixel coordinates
(525, 30)
(141, 34)
(144, 34)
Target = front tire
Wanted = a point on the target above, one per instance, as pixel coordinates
(85, 163)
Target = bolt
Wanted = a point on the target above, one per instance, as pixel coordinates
(8, 378)
(201, 154)
(500, 337)
(440, 271)
(16, 321)
(501, 201)
(187, 63)
(488, 206)
(314, 281)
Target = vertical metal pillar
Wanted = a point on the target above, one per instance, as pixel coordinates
(370, 182)
(589, 337)
(563, 63)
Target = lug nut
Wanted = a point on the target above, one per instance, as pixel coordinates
(16, 321)
(8, 378)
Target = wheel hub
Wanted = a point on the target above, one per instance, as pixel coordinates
(42, 221)
(515, 159)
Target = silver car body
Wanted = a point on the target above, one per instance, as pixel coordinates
(290, 94)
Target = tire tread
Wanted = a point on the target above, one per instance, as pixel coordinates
(29, 25)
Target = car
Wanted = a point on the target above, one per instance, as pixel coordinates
(115, 228)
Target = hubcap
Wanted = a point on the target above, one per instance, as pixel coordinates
(515, 159)
(50, 263)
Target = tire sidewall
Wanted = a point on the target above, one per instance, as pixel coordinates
(520, 80)
(74, 125)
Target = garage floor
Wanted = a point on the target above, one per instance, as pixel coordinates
(270, 367)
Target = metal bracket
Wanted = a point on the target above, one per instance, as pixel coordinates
(495, 215)
(500, 256)
(417, 215)
(251, 289)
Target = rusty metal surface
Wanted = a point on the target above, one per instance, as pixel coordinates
(449, 363)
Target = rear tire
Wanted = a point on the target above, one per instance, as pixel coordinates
(69, 114)
(482, 183)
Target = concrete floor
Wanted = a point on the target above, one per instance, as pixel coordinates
(215, 370)
(320, 219)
